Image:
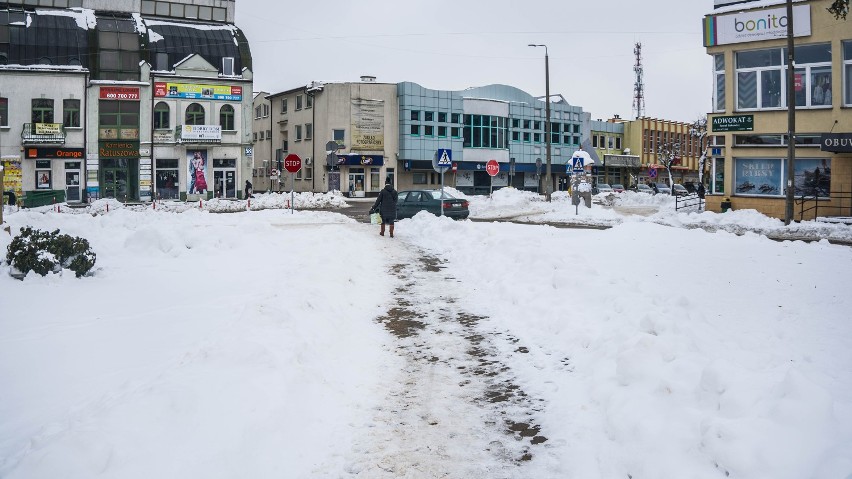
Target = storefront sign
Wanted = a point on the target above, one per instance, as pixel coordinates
(119, 93)
(368, 125)
(196, 91)
(45, 153)
(118, 149)
(836, 142)
(163, 136)
(201, 132)
(756, 25)
(361, 160)
(733, 123)
(48, 128)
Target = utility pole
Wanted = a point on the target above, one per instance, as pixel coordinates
(791, 115)
(548, 182)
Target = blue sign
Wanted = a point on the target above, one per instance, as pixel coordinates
(443, 160)
(716, 151)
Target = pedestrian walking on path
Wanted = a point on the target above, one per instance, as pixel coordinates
(385, 205)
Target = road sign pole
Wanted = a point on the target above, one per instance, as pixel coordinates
(491, 187)
(292, 188)
(442, 191)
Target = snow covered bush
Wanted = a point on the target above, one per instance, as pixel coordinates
(45, 252)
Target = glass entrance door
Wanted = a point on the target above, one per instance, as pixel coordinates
(73, 178)
(356, 184)
(225, 183)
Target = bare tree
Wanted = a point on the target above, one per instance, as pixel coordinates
(839, 9)
(699, 132)
(668, 155)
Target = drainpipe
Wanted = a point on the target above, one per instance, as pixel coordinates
(151, 127)
(85, 169)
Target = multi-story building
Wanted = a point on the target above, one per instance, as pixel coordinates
(155, 99)
(263, 148)
(749, 121)
(647, 138)
(616, 163)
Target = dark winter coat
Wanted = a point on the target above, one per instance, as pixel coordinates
(701, 190)
(386, 203)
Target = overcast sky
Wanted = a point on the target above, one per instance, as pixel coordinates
(453, 45)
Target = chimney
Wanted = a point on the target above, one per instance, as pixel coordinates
(368, 79)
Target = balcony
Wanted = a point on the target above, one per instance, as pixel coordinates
(43, 133)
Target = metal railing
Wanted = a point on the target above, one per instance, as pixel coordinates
(691, 201)
(836, 204)
(42, 133)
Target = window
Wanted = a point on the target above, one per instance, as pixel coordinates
(516, 123)
(309, 101)
(537, 112)
(194, 114)
(758, 176)
(527, 124)
(4, 112)
(166, 181)
(43, 175)
(161, 61)
(415, 115)
(428, 116)
(419, 178)
(455, 132)
(298, 102)
(118, 43)
(526, 137)
(309, 130)
(415, 130)
(847, 72)
(516, 136)
(161, 116)
(42, 110)
(566, 139)
(442, 131)
(228, 66)
(486, 131)
(118, 120)
(536, 137)
(338, 136)
(71, 113)
(283, 105)
(298, 132)
(442, 117)
(428, 130)
(254, 136)
(617, 142)
(813, 75)
(285, 146)
(759, 75)
(268, 134)
(257, 111)
(226, 117)
(719, 82)
(261, 135)
(537, 125)
(455, 118)
(265, 110)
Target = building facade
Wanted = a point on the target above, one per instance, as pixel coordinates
(749, 121)
(647, 138)
(141, 100)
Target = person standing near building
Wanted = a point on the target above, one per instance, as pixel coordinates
(248, 190)
(385, 205)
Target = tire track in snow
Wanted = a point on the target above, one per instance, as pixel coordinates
(454, 409)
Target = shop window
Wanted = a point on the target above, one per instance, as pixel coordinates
(226, 117)
(194, 114)
(43, 177)
(166, 183)
(812, 75)
(161, 116)
(71, 113)
(419, 178)
(759, 79)
(758, 176)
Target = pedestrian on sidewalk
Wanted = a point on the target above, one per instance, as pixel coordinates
(385, 205)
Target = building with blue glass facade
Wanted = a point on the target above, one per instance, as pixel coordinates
(495, 122)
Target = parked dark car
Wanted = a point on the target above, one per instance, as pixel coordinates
(411, 202)
(661, 188)
(679, 190)
(618, 188)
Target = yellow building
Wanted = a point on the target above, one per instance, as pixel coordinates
(749, 121)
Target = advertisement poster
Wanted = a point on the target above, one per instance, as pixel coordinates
(13, 177)
(464, 178)
(368, 125)
(194, 91)
(201, 132)
(758, 176)
(812, 177)
(43, 179)
(765, 24)
(196, 183)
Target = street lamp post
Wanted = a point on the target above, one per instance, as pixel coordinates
(548, 183)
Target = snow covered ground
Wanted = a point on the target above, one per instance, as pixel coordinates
(272, 343)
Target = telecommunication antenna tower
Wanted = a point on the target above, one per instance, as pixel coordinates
(639, 85)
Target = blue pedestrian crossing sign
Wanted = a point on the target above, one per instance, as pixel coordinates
(443, 160)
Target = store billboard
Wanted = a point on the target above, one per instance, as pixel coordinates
(755, 25)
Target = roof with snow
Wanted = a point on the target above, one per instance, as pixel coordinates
(67, 37)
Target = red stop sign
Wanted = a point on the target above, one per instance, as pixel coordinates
(292, 163)
(492, 167)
